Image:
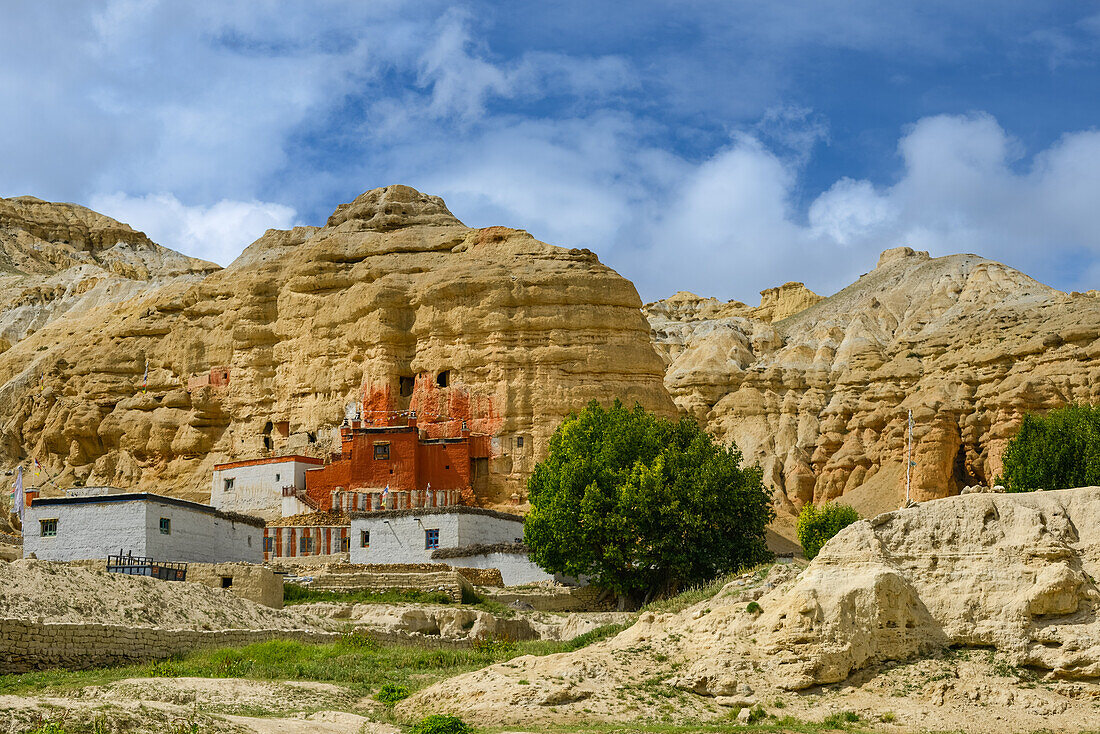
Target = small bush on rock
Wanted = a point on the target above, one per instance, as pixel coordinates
(391, 693)
(817, 524)
(438, 724)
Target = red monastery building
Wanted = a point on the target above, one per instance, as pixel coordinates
(418, 471)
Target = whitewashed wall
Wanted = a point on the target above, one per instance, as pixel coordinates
(200, 536)
(402, 539)
(91, 530)
(97, 529)
(256, 490)
(487, 530)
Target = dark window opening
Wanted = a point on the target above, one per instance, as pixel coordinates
(448, 466)
(431, 538)
(227, 581)
(443, 378)
(381, 451)
(225, 375)
(48, 528)
(405, 385)
(519, 442)
(276, 477)
(269, 545)
(364, 539)
(165, 526)
(305, 545)
(268, 426)
(345, 544)
(311, 437)
(228, 484)
(267, 443)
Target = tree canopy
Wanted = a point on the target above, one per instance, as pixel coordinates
(643, 505)
(817, 524)
(1058, 450)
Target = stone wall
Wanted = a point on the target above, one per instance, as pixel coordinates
(481, 576)
(515, 569)
(26, 645)
(246, 580)
(444, 580)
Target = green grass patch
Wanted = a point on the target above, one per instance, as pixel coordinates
(297, 594)
(357, 661)
(691, 597)
(437, 724)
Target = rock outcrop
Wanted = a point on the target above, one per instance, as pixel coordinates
(1009, 579)
(60, 257)
(393, 305)
(820, 396)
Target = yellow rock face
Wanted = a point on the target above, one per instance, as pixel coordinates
(56, 258)
(304, 324)
(820, 397)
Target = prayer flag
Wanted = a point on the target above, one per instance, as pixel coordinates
(19, 501)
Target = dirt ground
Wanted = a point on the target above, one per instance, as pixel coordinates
(59, 592)
(218, 706)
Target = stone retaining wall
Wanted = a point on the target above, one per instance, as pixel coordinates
(27, 645)
(447, 581)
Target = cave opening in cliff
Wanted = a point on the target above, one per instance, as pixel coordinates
(443, 378)
(964, 476)
(405, 385)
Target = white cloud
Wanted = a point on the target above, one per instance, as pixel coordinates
(217, 232)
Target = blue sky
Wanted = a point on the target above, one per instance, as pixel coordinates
(717, 147)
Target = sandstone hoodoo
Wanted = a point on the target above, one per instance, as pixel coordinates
(818, 390)
(393, 307)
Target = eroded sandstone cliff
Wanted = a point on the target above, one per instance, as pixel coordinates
(393, 304)
(820, 396)
(60, 257)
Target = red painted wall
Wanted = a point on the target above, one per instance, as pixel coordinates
(412, 465)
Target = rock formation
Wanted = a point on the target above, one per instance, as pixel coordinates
(820, 396)
(392, 304)
(60, 257)
(1005, 578)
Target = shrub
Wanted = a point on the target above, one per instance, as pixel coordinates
(438, 724)
(1059, 450)
(817, 524)
(391, 693)
(753, 608)
(644, 505)
(838, 720)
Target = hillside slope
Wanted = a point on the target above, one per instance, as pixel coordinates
(60, 257)
(820, 398)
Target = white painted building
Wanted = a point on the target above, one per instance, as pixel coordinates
(511, 559)
(417, 536)
(149, 525)
(256, 487)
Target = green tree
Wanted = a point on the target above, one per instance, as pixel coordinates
(644, 505)
(1058, 450)
(817, 524)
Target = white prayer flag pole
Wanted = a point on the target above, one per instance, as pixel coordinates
(909, 457)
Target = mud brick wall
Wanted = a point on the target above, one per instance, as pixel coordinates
(447, 581)
(27, 645)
